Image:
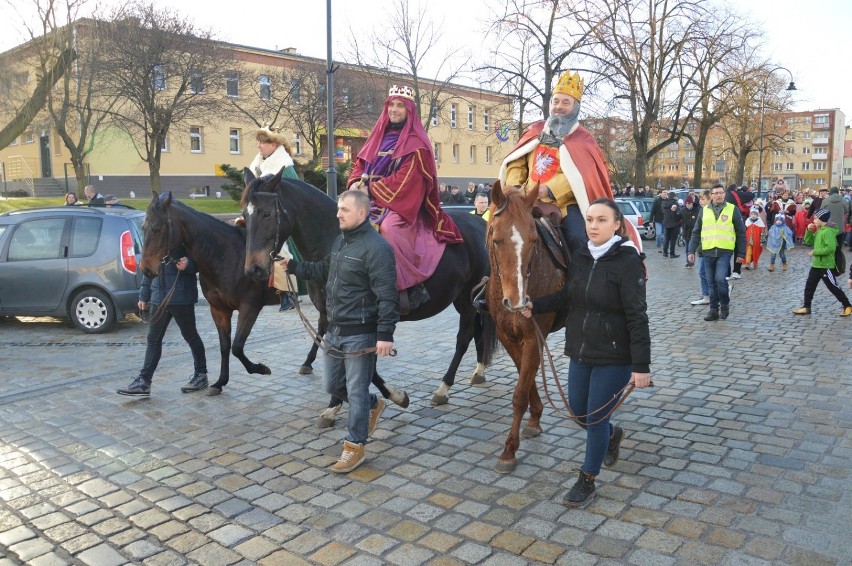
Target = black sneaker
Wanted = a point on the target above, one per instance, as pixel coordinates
(673, 256)
(138, 388)
(197, 382)
(614, 444)
(582, 492)
(712, 315)
(723, 312)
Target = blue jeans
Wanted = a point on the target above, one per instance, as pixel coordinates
(705, 288)
(573, 229)
(591, 387)
(349, 379)
(782, 253)
(716, 268)
(184, 315)
(661, 234)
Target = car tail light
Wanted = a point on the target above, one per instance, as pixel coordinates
(128, 254)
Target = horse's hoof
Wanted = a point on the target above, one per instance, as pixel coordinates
(505, 466)
(405, 401)
(212, 391)
(477, 379)
(324, 422)
(530, 432)
(306, 370)
(440, 400)
(263, 370)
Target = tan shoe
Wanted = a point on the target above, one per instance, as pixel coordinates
(375, 413)
(846, 311)
(802, 310)
(352, 457)
(784, 267)
(772, 267)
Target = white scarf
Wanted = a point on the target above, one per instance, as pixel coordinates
(598, 251)
(276, 161)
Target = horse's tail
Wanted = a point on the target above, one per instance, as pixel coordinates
(486, 329)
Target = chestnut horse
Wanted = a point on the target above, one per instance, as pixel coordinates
(521, 270)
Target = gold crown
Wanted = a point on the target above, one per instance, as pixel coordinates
(403, 91)
(570, 84)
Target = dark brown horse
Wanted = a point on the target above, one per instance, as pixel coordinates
(521, 270)
(218, 250)
(277, 208)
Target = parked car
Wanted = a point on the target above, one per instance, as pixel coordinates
(631, 213)
(75, 262)
(644, 204)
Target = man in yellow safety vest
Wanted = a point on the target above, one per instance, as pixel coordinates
(720, 232)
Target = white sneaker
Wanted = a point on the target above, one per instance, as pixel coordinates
(736, 276)
(702, 301)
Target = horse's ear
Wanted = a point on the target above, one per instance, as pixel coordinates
(277, 178)
(248, 175)
(168, 201)
(531, 194)
(497, 196)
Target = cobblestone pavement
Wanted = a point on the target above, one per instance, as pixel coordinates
(739, 455)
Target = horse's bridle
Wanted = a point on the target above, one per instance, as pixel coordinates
(497, 212)
(280, 210)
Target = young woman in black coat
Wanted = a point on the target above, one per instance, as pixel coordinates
(606, 336)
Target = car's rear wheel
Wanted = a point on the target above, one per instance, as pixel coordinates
(650, 232)
(92, 311)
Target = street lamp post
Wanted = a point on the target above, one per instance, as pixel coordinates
(790, 87)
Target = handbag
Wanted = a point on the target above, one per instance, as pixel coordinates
(279, 278)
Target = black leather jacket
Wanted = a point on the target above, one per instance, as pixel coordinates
(360, 275)
(607, 311)
(185, 291)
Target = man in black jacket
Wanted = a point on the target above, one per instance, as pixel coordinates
(363, 309)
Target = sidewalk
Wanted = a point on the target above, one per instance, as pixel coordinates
(739, 455)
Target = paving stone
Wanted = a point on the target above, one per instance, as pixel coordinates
(102, 555)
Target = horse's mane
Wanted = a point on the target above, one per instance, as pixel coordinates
(313, 196)
(212, 233)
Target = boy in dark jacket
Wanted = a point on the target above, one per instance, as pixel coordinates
(182, 277)
(689, 215)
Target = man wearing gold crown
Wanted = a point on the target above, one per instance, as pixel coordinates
(396, 167)
(564, 158)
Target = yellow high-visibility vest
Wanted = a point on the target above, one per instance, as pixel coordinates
(718, 233)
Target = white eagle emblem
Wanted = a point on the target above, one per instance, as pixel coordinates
(542, 163)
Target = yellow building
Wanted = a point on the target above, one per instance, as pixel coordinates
(465, 127)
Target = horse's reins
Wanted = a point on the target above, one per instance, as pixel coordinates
(167, 259)
(320, 341)
(543, 348)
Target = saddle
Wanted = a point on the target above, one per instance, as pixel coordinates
(548, 217)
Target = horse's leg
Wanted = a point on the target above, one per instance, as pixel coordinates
(388, 391)
(478, 376)
(326, 418)
(533, 426)
(463, 338)
(245, 322)
(527, 366)
(222, 320)
(307, 366)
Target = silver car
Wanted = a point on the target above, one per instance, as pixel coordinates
(76, 262)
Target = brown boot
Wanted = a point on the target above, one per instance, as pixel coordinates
(352, 457)
(771, 267)
(784, 267)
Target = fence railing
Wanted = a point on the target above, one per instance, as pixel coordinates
(19, 169)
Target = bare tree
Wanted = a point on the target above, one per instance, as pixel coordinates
(165, 73)
(639, 48)
(408, 45)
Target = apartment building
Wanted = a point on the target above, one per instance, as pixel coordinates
(465, 123)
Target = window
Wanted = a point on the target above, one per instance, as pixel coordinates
(370, 98)
(806, 136)
(29, 137)
(806, 120)
(806, 166)
(265, 87)
(473, 154)
(37, 239)
(196, 83)
(488, 155)
(85, 236)
(806, 150)
(295, 91)
(847, 171)
(470, 118)
(454, 110)
(690, 154)
(791, 136)
(777, 166)
(297, 145)
(821, 120)
(232, 83)
(195, 141)
(234, 139)
(455, 153)
(819, 166)
(345, 94)
(661, 168)
(437, 148)
(820, 151)
(434, 115)
(159, 77)
(14, 142)
(819, 181)
(672, 154)
(673, 167)
(790, 166)
(486, 122)
(165, 147)
(791, 150)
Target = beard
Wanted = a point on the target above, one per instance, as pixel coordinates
(559, 125)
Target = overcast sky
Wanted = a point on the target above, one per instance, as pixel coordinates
(806, 37)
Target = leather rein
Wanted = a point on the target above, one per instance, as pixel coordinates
(165, 260)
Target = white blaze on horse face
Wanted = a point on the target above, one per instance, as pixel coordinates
(518, 240)
(250, 209)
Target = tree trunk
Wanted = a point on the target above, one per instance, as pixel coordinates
(154, 172)
(79, 173)
(700, 143)
(740, 172)
(640, 166)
